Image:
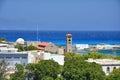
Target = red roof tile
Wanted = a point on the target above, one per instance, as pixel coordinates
(44, 44)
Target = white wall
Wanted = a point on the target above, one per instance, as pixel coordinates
(56, 57)
(104, 68)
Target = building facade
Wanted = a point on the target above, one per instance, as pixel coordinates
(47, 56)
(68, 42)
(108, 65)
(12, 57)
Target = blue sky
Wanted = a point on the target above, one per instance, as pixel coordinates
(62, 15)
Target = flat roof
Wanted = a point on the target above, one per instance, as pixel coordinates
(105, 61)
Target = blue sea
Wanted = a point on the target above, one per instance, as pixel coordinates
(59, 37)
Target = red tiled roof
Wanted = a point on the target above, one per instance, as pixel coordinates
(69, 35)
(44, 44)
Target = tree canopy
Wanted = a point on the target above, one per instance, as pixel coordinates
(19, 74)
(3, 66)
(114, 75)
(76, 68)
(45, 69)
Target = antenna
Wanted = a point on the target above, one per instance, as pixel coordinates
(37, 34)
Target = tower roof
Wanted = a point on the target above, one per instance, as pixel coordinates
(69, 35)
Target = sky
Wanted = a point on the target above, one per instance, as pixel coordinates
(60, 15)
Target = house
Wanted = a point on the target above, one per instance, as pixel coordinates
(81, 46)
(47, 56)
(49, 47)
(108, 65)
(12, 57)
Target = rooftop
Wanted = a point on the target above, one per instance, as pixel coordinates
(69, 35)
(105, 61)
(44, 43)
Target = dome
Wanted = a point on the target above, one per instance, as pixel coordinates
(20, 41)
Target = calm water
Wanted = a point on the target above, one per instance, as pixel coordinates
(58, 37)
(112, 52)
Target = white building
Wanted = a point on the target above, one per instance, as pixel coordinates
(12, 57)
(108, 65)
(56, 57)
(81, 46)
(104, 46)
(7, 48)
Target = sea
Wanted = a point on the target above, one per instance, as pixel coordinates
(59, 37)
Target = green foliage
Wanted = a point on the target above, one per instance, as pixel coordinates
(45, 68)
(2, 70)
(73, 56)
(28, 48)
(3, 39)
(47, 78)
(20, 47)
(59, 78)
(76, 68)
(94, 55)
(117, 57)
(81, 70)
(19, 74)
(114, 75)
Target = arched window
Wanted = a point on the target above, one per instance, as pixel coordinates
(108, 69)
(114, 67)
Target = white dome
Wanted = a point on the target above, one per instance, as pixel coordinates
(20, 41)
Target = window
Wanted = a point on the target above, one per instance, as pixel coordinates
(108, 69)
(23, 64)
(114, 68)
(8, 57)
(69, 39)
(24, 57)
(16, 57)
(9, 50)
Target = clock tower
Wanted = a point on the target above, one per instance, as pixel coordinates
(68, 42)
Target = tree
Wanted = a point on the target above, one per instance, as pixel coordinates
(20, 48)
(94, 55)
(114, 75)
(45, 69)
(19, 74)
(117, 57)
(76, 68)
(28, 48)
(83, 71)
(30, 73)
(3, 66)
(47, 78)
(59, 78)
(3, 39)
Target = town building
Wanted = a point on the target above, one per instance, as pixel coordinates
(12, 57)
(81, 46)
(7, 48)
(49, 47)
(108, 65)
(68, 42)
(47, 56)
